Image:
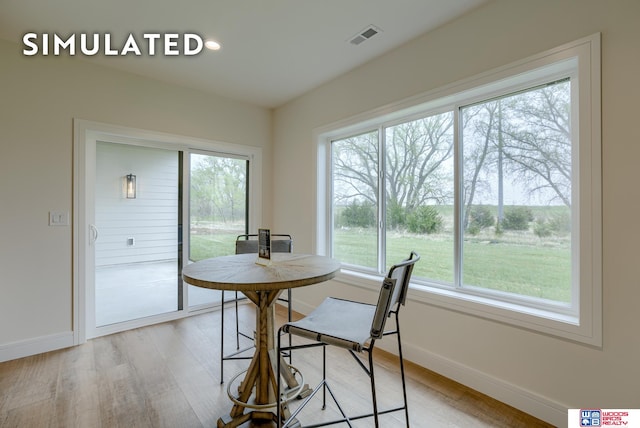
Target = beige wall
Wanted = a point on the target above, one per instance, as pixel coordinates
(39, 99)
(535, 372)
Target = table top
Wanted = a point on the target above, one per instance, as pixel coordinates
(240, 272)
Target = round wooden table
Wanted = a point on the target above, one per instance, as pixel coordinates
(261, 284)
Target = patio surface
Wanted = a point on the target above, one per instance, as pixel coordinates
(136, 290)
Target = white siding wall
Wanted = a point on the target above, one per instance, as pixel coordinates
(151, 219)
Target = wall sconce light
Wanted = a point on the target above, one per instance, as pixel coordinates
(131, 186)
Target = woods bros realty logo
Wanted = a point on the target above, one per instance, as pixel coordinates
(148, 44)
(604, 418)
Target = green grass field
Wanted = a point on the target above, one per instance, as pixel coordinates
(522, 266)
(212, 244)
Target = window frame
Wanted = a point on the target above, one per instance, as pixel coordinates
(582, 322)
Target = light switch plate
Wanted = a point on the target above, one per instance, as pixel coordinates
(58, 218)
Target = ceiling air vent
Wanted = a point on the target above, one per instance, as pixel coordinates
(365, 34)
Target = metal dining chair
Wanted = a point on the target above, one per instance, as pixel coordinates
(354, 326)
(247, 244)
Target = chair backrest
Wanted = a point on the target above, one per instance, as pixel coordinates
(393, 293)
(280, 243)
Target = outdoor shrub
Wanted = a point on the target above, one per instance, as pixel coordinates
(473, 229)
(396, 216)
(424, 219)
(359, 215)
(560, 223)
(542, 228)
(517, 218)
(480, 217)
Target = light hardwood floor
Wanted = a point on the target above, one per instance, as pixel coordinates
(168, 375)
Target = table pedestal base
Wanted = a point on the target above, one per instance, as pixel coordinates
(257, 394)
(260, 380)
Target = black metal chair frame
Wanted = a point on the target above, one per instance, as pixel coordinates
(389, 301)
(282, 243)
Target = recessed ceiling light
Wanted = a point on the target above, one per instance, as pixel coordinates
(213, 45)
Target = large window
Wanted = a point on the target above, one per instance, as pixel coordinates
(496, 185)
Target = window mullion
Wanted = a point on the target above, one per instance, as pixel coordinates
(382, 201)
(457, 198)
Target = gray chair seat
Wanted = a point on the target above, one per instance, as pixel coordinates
(337, 322)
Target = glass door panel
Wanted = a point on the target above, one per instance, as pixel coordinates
(218, 213)
(136, 250)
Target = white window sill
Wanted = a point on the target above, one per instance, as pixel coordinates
(548, 322)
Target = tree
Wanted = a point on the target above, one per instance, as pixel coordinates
(538, 145)
(415, 154)
(526, 137)
(477, 148)
(218, 188)
(522, 140)
(355, 169)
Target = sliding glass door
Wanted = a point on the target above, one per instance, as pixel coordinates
(149, 203)
(137, 252)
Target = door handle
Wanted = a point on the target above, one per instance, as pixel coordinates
(93, 234)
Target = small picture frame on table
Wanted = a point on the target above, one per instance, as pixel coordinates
(264, 246)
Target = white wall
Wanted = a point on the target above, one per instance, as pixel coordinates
(39, 99)
(538, 373)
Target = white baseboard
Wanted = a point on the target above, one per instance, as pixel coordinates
(505, 392)
(38, 345)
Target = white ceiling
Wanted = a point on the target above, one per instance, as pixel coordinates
(273, 50)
